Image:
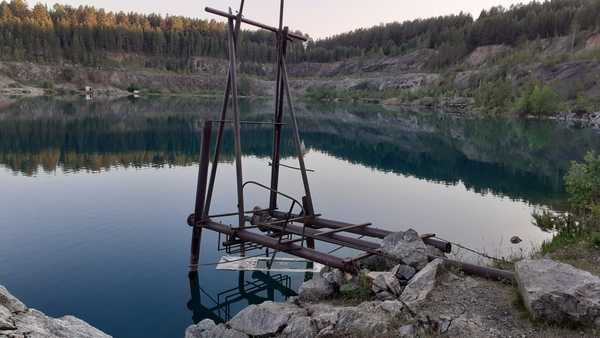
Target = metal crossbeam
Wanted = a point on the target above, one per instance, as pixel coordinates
(342, 229)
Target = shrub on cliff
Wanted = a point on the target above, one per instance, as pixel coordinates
(539, 100)
(583, 186)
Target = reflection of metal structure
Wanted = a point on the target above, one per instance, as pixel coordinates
(220, 309)
(269, 227)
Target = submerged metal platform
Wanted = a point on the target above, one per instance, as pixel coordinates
(279, 264)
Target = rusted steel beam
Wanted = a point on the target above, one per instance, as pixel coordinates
(273, 243)
(251, 22)
(297, 140)
(293, 219)
(215, 163)
(346, 241)
(342, 229)
(277, 118)
(200, 195)
(478, 270)
(236, 125)
(320, 222)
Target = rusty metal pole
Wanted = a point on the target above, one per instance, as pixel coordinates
(215, 162)
(200, 195)
(236, 129)
(297, 139)
(277, 117)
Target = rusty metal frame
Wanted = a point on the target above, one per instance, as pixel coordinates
(281, 223)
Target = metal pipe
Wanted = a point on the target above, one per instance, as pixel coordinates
(236, 126)
(478, 270)
(215, 163)
(200, 195)
(296, 250)
(350, 242)
(252, 23)
(277, 119)
(297, 139)
(320, 222)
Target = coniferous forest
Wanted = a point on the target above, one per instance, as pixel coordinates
(87, 35)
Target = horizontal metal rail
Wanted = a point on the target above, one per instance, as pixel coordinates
(273, 243)
(353, 243)
(236, 213)
(320, 222)
(348, 228)
(252, 23)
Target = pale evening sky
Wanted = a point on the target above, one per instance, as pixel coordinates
(319, 18)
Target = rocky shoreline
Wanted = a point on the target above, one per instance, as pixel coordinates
(430, 300)
(19, 321)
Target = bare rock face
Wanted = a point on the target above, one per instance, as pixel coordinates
(419, 287)
(316, 289)
(16, 320)
(593, 42)
(267, 318)
(406, 246)
(558, 292)
(483, 54)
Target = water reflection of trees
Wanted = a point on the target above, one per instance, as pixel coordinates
(519, 159)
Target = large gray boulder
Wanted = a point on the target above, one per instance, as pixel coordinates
(16, 320)
(300, 327)
(406, 246)
(208, 329)
(316, 289)
(558, 292)
(421, 285)
(385, 285)
(267, 318)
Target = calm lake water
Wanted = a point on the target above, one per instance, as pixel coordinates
(94, 197)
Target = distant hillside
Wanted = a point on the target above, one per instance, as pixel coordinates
(92, 36)
(539, 58)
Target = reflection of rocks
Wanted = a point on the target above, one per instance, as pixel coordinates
(17, 321)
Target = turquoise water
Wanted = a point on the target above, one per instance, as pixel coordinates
(94, 197)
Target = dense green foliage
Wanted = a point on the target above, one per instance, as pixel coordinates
(583, 185)
(88, 35)
(456, 35)
(582, 223)
(539, 100)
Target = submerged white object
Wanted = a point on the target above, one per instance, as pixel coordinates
(283, 264)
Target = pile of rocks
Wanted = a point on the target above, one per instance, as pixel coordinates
(18, 321)
(388, 280)
(406, 247)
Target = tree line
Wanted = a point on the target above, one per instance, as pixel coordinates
(87, 35)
